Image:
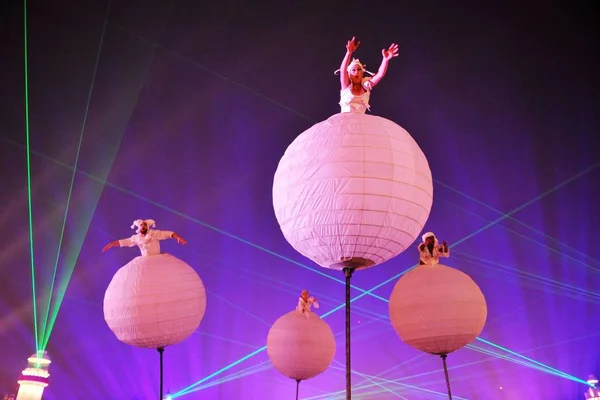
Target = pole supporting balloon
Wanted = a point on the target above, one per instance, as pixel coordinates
(348, 274)
(446, 374)
(160, 352)
(297, 388)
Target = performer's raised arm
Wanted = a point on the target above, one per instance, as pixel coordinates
(351, 47)
(444, 250)
(388, 54)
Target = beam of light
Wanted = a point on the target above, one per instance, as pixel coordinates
(393, 278)
(200, 222)
(336, 394)
(262, 366)
(520, 223)
(573, 378)
(525, 237)
(30, 208)
(376, 381)
(558, 286)
(47, 330)
(258, 351)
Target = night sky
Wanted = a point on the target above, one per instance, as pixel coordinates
(180, 111)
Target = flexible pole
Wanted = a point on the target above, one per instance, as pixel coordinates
(297, 388)
(160, 352)
(348, 273)
(446, 374)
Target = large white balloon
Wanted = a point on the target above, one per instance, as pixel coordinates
(300, 347)
(352, 191)
(437, 309)
(154, 301)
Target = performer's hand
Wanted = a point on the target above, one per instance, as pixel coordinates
(391, 52)
(180, 240)
(351, 46)
(108, 246)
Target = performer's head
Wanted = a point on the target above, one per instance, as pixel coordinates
(143, 225)
(429, 239)
(356, 71)
(304, 294)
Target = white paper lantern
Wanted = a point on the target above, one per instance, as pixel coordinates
(437, 309)
(154, 301)
(300, 347)
(352, 191)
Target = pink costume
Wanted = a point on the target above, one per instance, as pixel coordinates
(350, 102)
(149, 243)
(431, 258)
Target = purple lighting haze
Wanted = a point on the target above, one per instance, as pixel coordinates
(192, 107)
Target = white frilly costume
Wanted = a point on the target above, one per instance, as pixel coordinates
(149, 243)
(431, 258)
(349, 102)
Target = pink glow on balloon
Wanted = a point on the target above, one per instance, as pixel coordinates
(154, 301)
(437, 309)
(300, 347)
(352, 191)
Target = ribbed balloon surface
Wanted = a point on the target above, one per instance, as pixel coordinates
(154, 301)
(437, 309)
(300, 347)
(355, 188)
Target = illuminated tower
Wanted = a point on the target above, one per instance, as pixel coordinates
(593, 393)
(34, 378)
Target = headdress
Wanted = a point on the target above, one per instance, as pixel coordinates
(425, 236)
(138, 223)
(355, 61)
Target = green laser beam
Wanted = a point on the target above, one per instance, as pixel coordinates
(45, 332)
(29, 197)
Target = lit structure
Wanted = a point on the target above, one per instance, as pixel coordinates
(593, 393)
(35, 378)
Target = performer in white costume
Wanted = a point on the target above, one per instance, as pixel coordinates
(355, 87)
(305, 302)
(430, 250)
(146, 239)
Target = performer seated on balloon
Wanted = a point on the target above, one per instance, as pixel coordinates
(430, 251)
(305, 302)
(355, 87)
(145, 238)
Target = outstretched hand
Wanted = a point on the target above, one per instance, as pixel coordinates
(181, 240)
(108, 246)
(351, 46)
(391, 52)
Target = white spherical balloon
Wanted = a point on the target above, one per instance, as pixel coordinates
(300, 347)
(437, 309)
(352, 191)
(154, 301)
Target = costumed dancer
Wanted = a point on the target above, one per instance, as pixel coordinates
(305, 302)
(593, 393)
(430, 250)
(148, 240)
(355, 87)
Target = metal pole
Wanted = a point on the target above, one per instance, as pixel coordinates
(446, 374)
(160, 352)
(348, 274)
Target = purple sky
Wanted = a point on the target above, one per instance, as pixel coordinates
(192, 107)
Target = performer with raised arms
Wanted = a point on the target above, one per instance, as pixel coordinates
(355, 87)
